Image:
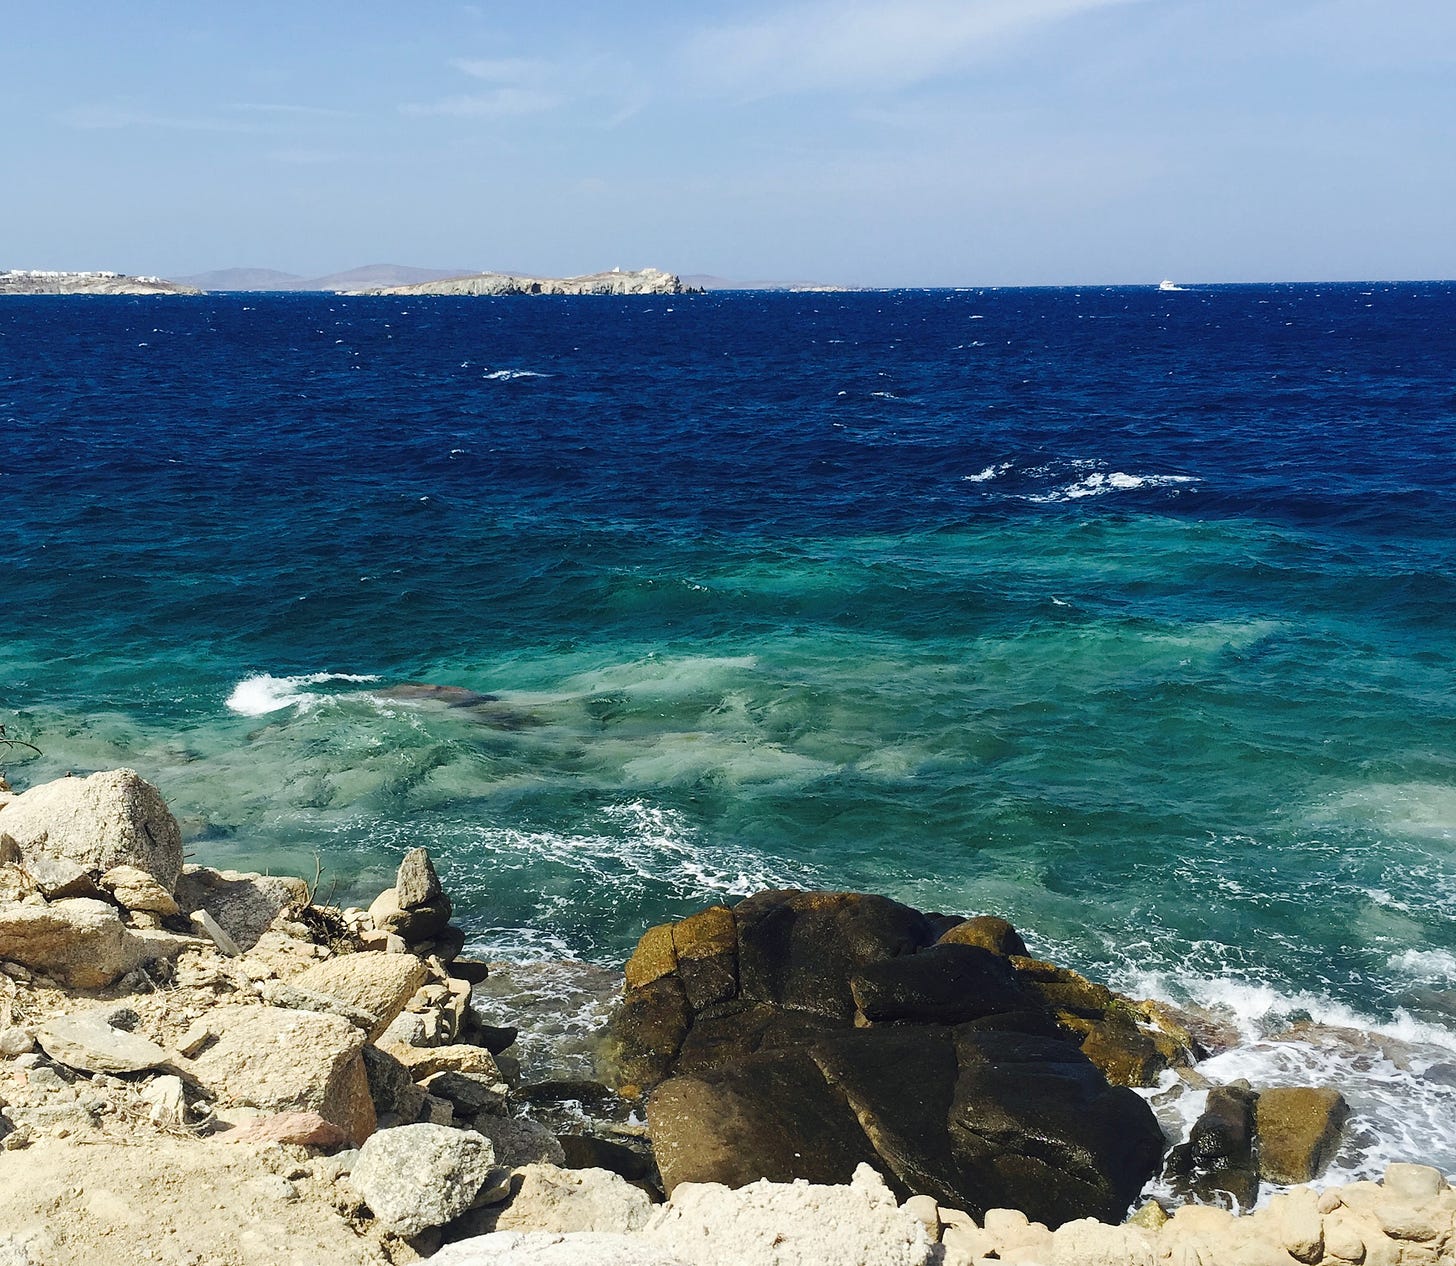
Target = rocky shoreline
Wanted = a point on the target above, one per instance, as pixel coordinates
(642, 281)
(202, 1066)
(31, 281)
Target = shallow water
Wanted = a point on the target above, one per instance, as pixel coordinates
(1125, 615)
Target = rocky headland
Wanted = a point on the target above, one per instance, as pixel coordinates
(642, 281)
(23, 281)
(204, 1066)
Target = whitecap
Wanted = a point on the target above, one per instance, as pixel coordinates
(1425, 965)
(988, 474)
(1307, 1039)
(263, 693)
(1099, 483)
(510, 375)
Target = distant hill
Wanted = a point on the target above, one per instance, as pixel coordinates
(372, 276)
(246, 279)
(367, 277)
(706, 281)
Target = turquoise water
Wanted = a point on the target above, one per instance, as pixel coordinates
(1127, 621)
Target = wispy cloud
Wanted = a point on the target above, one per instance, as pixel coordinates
(502, 69)
(517, 87)
(824, 45)
(498, 103)
(114, 118)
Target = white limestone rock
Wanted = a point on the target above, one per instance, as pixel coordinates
(280, 1060)
(81, 942)
(377, 983)
(88, 1043)
(772, 1224)
(138, 891)
(550, 1198)
(110, 819)
(415, 1177)
(545, 1248)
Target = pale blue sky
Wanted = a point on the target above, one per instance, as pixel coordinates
(919, 142)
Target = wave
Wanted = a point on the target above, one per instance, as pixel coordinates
(1099, 483)
(987, 474)
(1399, 1113)
(510, 375)
(263, 693)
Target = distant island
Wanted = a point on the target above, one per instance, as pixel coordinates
(643, 281)
(369, 275)
(386, 279)
(37, 281)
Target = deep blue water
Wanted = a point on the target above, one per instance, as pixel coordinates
(1127, 614)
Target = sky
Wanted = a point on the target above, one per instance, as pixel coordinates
(859, 142)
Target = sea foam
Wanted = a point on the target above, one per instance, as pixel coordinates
(261, 694)
(1099, 483)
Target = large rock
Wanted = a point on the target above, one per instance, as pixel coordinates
(397, 1099)
(770, 1224)
(521, 1141)
(800, 949)
(60, 878)
(110, 819)
(280, 1060)
(853, 1037)
(244, 904)
(549, 1198)
(377, 983)
(1298, 1129)
(134, 889)
(81, 942)
(417, 884)
(420, 1176)
(770, 1115)
(90, 1044)
(550, 1248)
(413, 925)
(976, 1119)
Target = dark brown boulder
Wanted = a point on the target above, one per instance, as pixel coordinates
(706, 949)
(944, 984)
(900, 1084)
(734, 1029)
(647, 1031)
(587, 1151)
(1038, 1127)
(987, 931)
(1224, 1133)
(764, 1116)
(800, 1034)
(976, 1119)
(799, 949)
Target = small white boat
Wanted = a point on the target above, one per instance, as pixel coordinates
(1165, 284)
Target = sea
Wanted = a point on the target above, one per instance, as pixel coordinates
(1127, 614)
